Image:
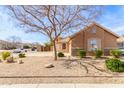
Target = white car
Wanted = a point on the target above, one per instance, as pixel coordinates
(18, 51)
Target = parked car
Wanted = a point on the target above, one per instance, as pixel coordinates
(122, 49)
(18, 51)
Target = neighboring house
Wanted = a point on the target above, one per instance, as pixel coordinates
(90, 38)
(43, 48)
(120, 42)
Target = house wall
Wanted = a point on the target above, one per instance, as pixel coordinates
(77, 42)
(110, 42)
(59, 47)
(80, 41)
(39, 48)
(89, 35)
(59, 44)
(43, 48)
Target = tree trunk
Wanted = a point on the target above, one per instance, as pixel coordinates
(55, 51)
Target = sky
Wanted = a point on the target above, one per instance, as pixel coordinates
(112, 18)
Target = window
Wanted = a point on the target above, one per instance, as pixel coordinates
(64, 46)
(93, 44)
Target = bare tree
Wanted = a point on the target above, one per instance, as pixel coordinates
(14, 41)
(54, 21)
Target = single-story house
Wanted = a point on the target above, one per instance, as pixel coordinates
(92, 37)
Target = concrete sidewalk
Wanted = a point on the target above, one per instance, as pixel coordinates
(63, 86)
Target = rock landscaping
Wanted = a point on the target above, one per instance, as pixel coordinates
(20, 61)
(36, 66)
(49, 65)
(9, 59)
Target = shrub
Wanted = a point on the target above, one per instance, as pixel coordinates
(115, 65)
(22, 55)
(98, 53)
(5, 55)
(60, 54)
(82, 53)
(116, 53)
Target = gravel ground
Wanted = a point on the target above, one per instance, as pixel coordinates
(35, 66)
(32, 71)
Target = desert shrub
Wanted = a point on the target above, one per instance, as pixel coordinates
(21, 55)
(5, 55)
(98, 53)
(116, 53)
(60, 54)
(82, 53)
(115, 65)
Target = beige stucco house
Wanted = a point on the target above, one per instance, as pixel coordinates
(92, 37)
